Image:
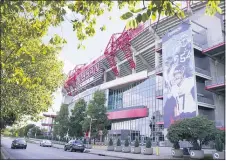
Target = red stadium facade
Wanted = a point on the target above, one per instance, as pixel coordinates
(136, 73)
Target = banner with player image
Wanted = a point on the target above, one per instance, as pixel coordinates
(179, 98)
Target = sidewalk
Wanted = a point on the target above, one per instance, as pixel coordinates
(102, 150)
(164, 152)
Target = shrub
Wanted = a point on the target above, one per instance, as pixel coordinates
(148, 144)
(218, 144)
(110, 142)
(176, 145)
(197, 130)
(136, 143)
(127, 142)
(118, 142)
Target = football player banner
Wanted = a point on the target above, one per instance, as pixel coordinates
(179, 99)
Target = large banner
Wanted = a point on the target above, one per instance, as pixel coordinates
(179, 97)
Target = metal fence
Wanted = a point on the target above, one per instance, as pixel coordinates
(219, 80)
(202, 71)
(205, 100)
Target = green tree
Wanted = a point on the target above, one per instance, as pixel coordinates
(62, 121)
(197, 130)
(42, 14)
(30, 69)
(77, 118)
(27, 128)
(97, 111)
(35, 130)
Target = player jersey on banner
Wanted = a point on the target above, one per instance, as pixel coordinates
(183, 96)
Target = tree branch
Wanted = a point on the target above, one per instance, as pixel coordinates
(144, 4)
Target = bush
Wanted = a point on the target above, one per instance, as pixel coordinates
(136, 143)
(218, 144)
(110, 142)
(176, 145)
(197, 130)
(118, 142)
(127, 142)
(148, 144)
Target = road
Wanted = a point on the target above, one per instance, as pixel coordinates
(34, 151)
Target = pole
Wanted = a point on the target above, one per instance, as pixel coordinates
(90, 126)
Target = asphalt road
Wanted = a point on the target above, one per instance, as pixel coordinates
(34, 151)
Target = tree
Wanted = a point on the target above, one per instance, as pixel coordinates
(45, 13)
(97, 110)
(197, 130)
(62, 121)
(35, 131)
(175, 134)
(30, 69)
(27, 128)
(77, 118)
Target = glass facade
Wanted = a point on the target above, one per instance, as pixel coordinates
(139, 94)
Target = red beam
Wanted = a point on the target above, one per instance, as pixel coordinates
(130, 113)
(213, 47)
(159, 97)
(214, 86)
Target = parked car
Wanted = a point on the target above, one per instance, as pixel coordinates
(19, 143)
(74, 145)
(46, 143)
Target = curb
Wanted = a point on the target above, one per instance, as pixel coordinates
(95, 153)
(5, 154)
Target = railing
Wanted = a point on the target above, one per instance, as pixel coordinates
(217, 81)
(205, 100)
(202, 71)
(199, 33)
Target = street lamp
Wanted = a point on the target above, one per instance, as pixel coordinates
(90, 126)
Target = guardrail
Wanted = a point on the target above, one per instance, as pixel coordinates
(219, 80)
(202, 71)
(205, 100)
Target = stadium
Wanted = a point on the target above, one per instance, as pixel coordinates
(152, 79)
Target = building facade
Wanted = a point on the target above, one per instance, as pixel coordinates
(152, 79)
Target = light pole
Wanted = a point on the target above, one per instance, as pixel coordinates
(90, 126)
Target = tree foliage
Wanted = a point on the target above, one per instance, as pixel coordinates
(98, 112)
(62, 121)
(197, 130)
(148, 144)
(77, 118)
(30, 69)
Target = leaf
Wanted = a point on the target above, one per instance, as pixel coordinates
(126, 16)
(144, 17)
(103, 28)
(136, 10)
(134, 24)
(139, 18)
(153, 17)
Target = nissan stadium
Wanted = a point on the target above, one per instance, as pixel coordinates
(151, 79)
